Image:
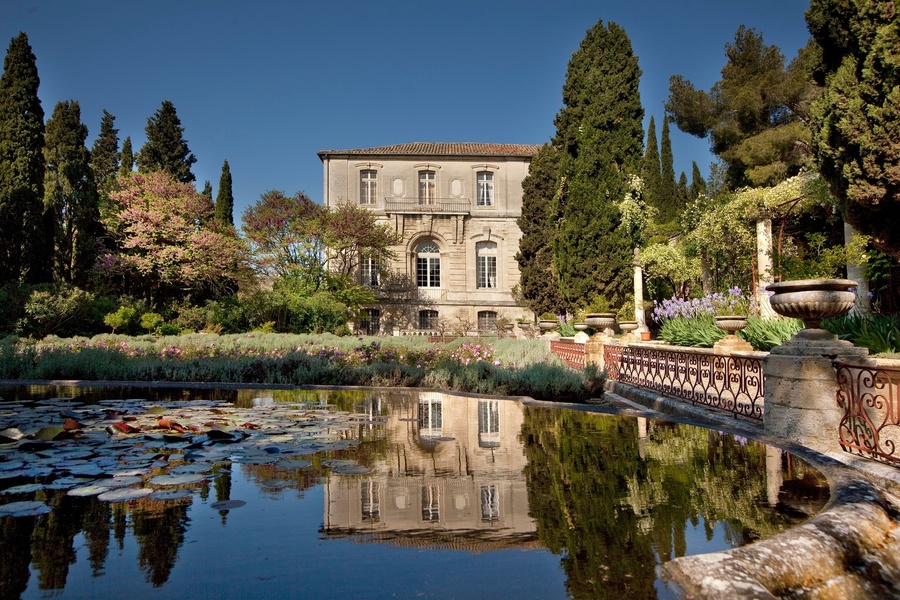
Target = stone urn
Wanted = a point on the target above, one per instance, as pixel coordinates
(547, 325)
(812, 300)
(601, 322)
(731, 324)
(628, 327)
(580, 326)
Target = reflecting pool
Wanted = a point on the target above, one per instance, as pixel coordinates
(114, 492)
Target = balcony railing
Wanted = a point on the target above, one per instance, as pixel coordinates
(451, 206)
(569, 352)
(870, 398)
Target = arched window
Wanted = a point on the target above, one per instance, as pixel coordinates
(428, 319)
(486, 265)
(487, 320)
(428, 265)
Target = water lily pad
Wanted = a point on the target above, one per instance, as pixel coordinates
(11, 465)
(124, 494)
(191, 469)
(10, 435)
(227, 504)
(25, 488)
(186, 479)
(88, 490)
(292, 464)
(165, 495)
(130, 473)
(352, 470)
(120, 482)
(27, 508)
(65, 483)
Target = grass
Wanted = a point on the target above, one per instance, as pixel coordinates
(500, 366)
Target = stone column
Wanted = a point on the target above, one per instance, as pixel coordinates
(855, 272)
(801, 389)
(639, 295)
(593, 352)
(764, 267)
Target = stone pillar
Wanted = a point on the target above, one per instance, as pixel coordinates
(774, 476)
(855, 272)
(764, 267)
(801, 389)
(593, 352)
(639, 295)
(642, 437)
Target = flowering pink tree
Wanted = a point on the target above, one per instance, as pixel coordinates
(167, 244)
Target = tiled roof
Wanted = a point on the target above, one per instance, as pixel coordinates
(440, 149)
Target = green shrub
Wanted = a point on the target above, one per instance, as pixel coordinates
(151, 321)
(60, 310)
(699, 331)
(879, 333)
(169, 329)
(121, 319)
(765, 334)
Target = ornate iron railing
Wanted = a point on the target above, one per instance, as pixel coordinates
(571, 353)
(870, 398)
(431, 206)
(729, 383)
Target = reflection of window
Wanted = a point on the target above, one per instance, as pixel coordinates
(368, 272)
(431, 415)
(426, 187)
(490, 503)
(486, 265)
(428, 265)
(368, 187)
(370, 321)
(428, 319)
(487, 320)
(371, 505)
(485, 188)
(431, 503)
(489, 423)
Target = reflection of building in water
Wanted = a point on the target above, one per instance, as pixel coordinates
(453, 477)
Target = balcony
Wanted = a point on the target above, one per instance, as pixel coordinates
(445, 206)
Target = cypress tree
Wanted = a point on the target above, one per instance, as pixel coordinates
(651, 173)
(601, 137)
(105, 153)
(683, 192)
(698, 184)
(225, 198)
(21, 166)
(166, 149)
(71, 211)
(126, 158)
(669, 205)
(538, 282)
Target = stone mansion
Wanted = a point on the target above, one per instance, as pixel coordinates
(455, 207)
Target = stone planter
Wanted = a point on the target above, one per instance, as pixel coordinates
(548, 325)
(628, 326)
(812, 300)
(731, 324)
(580, 326)
(602, 322)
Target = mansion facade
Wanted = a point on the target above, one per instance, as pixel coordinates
(454, 206)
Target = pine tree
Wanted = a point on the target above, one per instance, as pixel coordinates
(71, 214)
(669, 205)
(105, 154)
(600, 135)
(225, 199)
(651, 173)
(21, 166)
(126, 158)
(166, 149)
(698, 184)
(538, 282)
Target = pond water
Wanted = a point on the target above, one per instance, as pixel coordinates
(382, 494)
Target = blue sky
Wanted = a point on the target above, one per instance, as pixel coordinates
(268, 84)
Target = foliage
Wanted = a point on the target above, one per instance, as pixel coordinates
(878, 333)
(651, 173)
(765, 334)
(151, 321)
(286, 236)
(126, 158)
(105, 154)
(538, 287)
(734, 302)
(352, 232)
(626, 311)
(669, 267)
(598, 304)
(636, 214)
(166, 149)
(225, 197)
(668, 203)
(61, 310)
(699, 331)
(755, 115)
(71, 200)
(856, 122)
(21, 166)
(600, 137)
(163, 252)
(122, 319)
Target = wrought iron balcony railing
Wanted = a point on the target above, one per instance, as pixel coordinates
(458, 206)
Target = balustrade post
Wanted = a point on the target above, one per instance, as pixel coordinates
(801, 389)
(593, 352)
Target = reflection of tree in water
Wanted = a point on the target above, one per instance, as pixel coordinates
(159, 532)
(97, 517)
(52, 540)
(614, 515)
(15, 554)
(223, 487)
